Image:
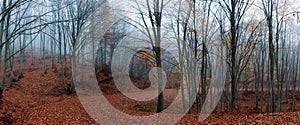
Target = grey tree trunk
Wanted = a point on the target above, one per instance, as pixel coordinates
(43, 40)
(32, 51)
(2, 24)
(262, 75)
(296, 66)
(11, 64)
(22, 54)
(5, 65)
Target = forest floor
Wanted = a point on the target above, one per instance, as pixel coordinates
(40, 98)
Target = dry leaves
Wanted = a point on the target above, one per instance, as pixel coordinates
(40, 99)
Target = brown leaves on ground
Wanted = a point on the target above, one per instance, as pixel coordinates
(40, 99)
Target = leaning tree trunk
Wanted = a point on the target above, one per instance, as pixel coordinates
(6, 52)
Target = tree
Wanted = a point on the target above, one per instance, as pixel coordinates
(6, 43)
(155, 13)
(18, 20)
(234, 10)
(79, 12)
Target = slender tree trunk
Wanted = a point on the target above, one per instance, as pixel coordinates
(2, 29)
(11, 60)
(296, 66)
(53, 54)
(233, 47)
(257, 82)
(44, 52)
(262, 76)
(73, 67)
(22, 54)
(5, 65)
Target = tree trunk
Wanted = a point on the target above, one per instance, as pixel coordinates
(233, 48)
